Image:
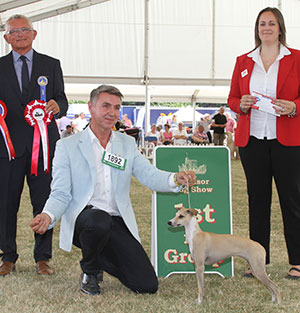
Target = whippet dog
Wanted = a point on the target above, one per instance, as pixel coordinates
(209, 248)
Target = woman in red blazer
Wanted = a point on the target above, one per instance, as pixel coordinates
(269, 144)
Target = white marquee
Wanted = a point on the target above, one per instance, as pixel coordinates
(184, 50)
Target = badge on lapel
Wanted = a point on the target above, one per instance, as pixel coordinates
(244, 73)
(42, 82)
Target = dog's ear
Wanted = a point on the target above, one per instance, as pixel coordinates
(179, 206)
(193, 212)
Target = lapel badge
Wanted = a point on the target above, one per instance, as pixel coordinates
(244, 73)
(42, 81)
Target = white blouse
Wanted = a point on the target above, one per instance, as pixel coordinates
(263, 124)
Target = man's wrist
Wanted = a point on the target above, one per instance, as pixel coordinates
(175, 180)
(51, 216)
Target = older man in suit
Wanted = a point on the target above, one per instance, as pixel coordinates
(90, 190)
(20, 71)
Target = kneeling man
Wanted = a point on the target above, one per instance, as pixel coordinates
(90, 191)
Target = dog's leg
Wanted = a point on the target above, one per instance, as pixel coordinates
(263, 277)
(200, 281)
(257, 264)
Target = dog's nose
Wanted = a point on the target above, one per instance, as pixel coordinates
(170, 223)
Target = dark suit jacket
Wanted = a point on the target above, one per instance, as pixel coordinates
(20, 132)
(288, 88)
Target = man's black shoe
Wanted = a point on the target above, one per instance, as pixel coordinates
(89, 284)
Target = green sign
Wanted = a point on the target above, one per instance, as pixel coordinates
(211, 196)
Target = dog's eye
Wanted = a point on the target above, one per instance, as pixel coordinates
(180, 216)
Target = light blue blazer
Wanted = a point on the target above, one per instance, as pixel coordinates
(74, 180)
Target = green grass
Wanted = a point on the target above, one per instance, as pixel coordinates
(26, 292)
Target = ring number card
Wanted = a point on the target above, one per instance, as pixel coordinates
(114, 161)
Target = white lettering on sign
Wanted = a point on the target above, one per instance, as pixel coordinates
(207, 212)
(196, 189)
(203, 182)
(172, 256)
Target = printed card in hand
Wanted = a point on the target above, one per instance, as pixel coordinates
(264, 103)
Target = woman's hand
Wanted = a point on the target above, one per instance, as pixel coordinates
(246, 102)
(284, 107)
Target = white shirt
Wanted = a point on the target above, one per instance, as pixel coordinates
(180, 141)
(263, 124)
(103, 197)
(150, 134)
(80, 123)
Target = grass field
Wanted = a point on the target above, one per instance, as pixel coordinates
(24, 291)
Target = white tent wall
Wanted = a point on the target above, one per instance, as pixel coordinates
(103, 40)
(180, 39)
(107, 39)
(188, 44)
(291, 12)
(235, 29)
(30, 7)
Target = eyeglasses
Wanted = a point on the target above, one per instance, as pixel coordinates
(23, 30)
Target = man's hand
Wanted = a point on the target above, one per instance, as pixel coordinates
(52, 106)
(40, 223)
(187, 178)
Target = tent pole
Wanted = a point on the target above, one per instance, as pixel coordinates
(146, 64)
(147, 108)
(213, 39)
(194, 97)
(280, 5)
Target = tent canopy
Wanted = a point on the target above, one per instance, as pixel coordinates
(176, 46)
(186, 114)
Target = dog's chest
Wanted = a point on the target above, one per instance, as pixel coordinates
(190, 232)
(189, 239)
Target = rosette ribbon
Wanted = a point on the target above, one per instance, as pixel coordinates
(5, 132)
(37, 117)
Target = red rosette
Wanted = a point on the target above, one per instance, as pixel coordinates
(35, 111)
(3, 109)
(37, 117)
(5, 132)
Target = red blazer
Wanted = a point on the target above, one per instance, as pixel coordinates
(288, 88)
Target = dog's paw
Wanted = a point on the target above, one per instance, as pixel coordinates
(198, 300)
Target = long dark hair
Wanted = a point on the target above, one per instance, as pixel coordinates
(280, 20)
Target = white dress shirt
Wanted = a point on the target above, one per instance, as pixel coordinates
(103, 197)
(263, 124)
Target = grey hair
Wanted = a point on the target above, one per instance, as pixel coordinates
(17, 17)
(105, 88)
